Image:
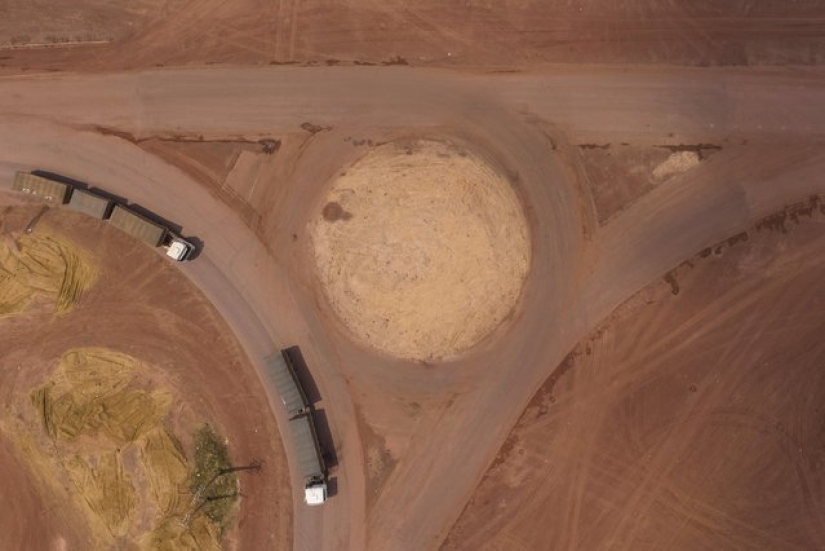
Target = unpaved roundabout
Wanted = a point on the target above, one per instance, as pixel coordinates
(421, 248)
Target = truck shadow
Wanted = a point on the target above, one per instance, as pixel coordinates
(332, 486)
(325, 441)
(143, 211)
(60, 178)
(305, 379)
(197, 247)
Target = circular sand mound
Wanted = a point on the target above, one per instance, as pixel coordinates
(421, 248)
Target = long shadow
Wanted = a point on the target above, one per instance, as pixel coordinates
(296, 359)
(113, 198)
(143, 211)
(60, 178)
(325, 441)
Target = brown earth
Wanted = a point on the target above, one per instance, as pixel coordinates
(32, 519)
(229, 169)
(142, 306)
(452, 32)
(617, 175)
(423, 420)
(691, 419)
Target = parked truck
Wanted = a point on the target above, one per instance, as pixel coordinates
(310, 460)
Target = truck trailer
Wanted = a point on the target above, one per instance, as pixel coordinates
(310, 460)
(289, 387)
(90, 203)
(49, 190)
(150, 232)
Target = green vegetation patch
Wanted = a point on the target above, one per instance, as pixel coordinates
(214, 482)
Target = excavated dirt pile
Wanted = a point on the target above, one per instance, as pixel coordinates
(421, 248)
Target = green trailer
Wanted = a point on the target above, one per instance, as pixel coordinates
(138, 226)
(44, 188)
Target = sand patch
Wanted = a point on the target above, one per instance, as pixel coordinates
(422, 249)
(679, 161)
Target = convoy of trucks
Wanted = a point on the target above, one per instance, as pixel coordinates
(101, 207)
(301, 424)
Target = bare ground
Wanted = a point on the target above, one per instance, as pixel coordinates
(618, 174)
(454, 32)
(142, 306)
(689, 420)
(427, 418)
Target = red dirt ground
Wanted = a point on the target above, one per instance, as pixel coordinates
(142, 306)
(618, 174)
(692, 419)
(444, 32)
(416, 425)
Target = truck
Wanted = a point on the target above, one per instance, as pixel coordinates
(310, 460)
(150, 232)
(97, 205)
(282, 369)
(301, 423)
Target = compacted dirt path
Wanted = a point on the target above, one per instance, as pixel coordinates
(527, 123)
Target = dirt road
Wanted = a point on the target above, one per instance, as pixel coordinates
(595, 104)
(527, 124)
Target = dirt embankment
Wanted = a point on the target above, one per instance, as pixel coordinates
(689, 420)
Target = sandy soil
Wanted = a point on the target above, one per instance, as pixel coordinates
(689, 420)
(421, 248)
(452, 32)
(139, 304)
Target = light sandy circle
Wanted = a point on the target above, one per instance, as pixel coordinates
(422, 248)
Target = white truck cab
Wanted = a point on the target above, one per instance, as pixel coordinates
(179, 248)
(315, 492)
